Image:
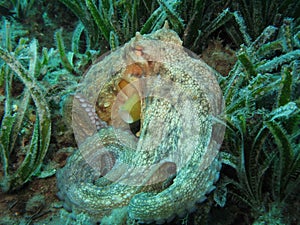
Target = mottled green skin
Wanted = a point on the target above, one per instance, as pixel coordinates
(158, 147)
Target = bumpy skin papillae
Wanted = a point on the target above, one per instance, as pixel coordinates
(180, 97)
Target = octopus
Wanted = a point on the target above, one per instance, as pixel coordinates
(147, 119)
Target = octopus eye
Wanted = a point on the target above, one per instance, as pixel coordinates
(135, 128)
(130, 111)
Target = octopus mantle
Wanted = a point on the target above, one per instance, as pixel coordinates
(144, 119)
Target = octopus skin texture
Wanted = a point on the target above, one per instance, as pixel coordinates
(144, 119)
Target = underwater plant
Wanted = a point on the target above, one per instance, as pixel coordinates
(25, 129)
(116, 22)
(236, 21)
(101, 20)
(263, 117)
(61, 49)
(19, 8)
(109, 22)
(74, 62)
(260, 14)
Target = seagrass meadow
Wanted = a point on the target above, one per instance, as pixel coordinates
(223, 80)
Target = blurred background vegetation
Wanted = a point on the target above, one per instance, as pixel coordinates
(46, 46)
